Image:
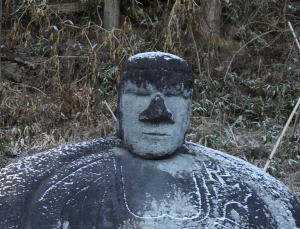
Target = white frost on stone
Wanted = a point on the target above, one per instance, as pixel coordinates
(66, 224)
(12, 176)
(272, 191)
(153, 55)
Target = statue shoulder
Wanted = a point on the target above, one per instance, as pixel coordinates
(48, 178)
(274, 193)
(15, 178)
(235, 166)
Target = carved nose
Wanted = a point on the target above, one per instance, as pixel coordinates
(156, 112)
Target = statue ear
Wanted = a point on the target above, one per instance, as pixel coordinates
(189, 113)
(187, 121)
(119, 120)
(118, 112)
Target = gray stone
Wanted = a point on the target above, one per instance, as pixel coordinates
(113, 183)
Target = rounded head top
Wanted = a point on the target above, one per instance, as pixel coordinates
(163, 70)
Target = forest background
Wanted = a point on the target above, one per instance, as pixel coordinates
(61, 60)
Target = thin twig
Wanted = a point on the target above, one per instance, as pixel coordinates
(99, 17)
(71, 56)
(281, 135)
(291, 115)
(112, 113)
(294, 34)
(196, 49)
(295, 123)
(297, 42)
(245, 45)
(25, 85)
(88, 39)
(170, 22)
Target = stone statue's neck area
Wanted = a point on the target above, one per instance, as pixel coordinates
(181, 150)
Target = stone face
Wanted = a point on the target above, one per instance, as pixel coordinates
(150, 178)
(154, 125)
(154, 103)
(99, 184)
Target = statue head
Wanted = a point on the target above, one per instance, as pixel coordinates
(154, 104)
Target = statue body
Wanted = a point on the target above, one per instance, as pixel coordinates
(149, 177)
(99, 184)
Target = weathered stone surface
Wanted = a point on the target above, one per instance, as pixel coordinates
(99, 184)
(154, 104)
(165, 71)
(151, 177)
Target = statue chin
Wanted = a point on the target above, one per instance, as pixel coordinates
(152, 152)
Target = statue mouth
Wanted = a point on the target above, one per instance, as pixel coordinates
(155, 134)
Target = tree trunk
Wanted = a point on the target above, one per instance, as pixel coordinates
(213, 17)
(111, 14)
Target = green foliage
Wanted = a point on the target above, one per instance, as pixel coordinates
(92, 9)
(108, 85)
(212, 139)
(270, 131)
(3, 144)
(45, 46)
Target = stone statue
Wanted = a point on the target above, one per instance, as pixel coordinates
(149, 177)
